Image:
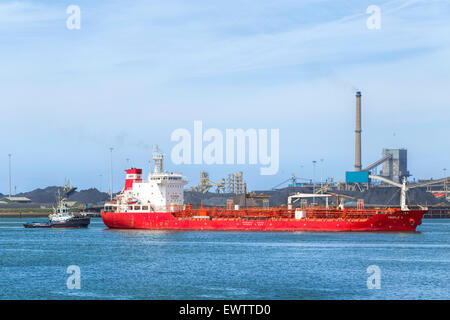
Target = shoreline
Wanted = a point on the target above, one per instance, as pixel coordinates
(31, 214)
(23, 214)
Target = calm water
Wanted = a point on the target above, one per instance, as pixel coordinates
(222, 265)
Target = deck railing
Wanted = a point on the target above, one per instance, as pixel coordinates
(280, 213)
(254, 213)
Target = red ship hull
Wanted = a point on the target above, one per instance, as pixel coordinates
(396, 220)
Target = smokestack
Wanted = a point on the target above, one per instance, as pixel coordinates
(358, 132)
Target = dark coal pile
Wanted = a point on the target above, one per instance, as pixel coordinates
(208, 199)
(373, 196)
(89, 196)
(391, 196)
(48, 196)
(279, 197)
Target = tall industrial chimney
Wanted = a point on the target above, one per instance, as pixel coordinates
(358, 132)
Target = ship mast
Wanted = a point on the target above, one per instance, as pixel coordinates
(158, 158)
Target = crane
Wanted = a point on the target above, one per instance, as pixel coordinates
(293, 179)
(404, 188)
(324, 188)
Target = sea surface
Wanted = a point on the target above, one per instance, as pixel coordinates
(132, 264)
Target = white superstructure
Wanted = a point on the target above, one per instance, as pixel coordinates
(161, 192)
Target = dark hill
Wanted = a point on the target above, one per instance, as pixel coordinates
(208, 199)
(91, 195)
(379, 196)
(48, 195)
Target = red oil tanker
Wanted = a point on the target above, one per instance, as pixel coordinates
(157, 204)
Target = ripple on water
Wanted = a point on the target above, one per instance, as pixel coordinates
(143, 264)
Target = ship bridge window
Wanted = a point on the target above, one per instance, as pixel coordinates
(137, 207)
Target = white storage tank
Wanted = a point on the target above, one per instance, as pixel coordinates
(300, 214)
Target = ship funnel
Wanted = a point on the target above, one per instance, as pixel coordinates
(133, 175)
(358, 132)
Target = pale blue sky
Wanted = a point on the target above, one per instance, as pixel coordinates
(137, 70)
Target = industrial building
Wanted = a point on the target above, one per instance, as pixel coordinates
(234, 184)
(395, 167)
(394, 161)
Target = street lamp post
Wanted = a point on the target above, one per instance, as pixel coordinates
(314, 179)
(321, 172)
(111, 174)
(9, 160)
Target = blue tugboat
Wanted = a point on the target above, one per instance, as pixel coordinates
(62, 217)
